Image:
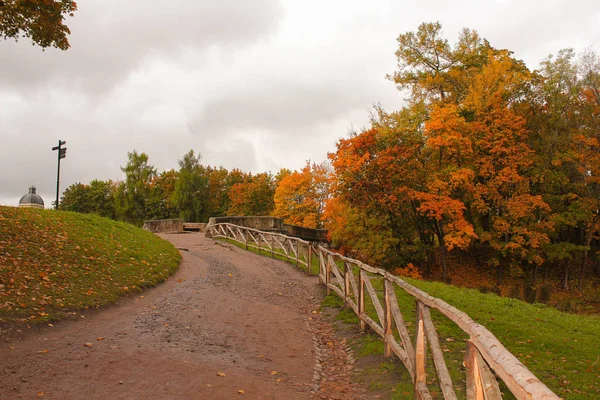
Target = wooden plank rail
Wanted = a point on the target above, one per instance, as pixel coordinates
(485, 357)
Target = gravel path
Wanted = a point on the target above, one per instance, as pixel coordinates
(228, 324)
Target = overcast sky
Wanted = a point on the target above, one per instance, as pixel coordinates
(257, 85)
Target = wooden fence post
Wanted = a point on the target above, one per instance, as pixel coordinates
(297, 254)
(246, 238)
(387, 325)
(361, 299)
(308, 262)
(327, 276)
(272, 246)
(346, 285)
(481, 382)
(420, 378)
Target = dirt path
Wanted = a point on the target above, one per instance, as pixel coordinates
(225, 311)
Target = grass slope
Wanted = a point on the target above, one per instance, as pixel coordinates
(54, 262)
(562, 350)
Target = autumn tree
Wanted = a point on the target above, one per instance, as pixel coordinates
(218, 191)
(252, 196)
(433, 70)
(42, 21)
(588, 141)
(300, 196)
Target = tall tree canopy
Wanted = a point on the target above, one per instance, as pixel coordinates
(42, 21)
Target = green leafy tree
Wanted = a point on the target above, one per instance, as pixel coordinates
(132, 196)
(160, 204)
(191, 195)
(98, 198)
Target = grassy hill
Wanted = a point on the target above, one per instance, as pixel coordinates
(561, 349)
(54, 262)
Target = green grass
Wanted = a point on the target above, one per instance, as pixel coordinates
(277, 254)
(562, 350)
(54, 262)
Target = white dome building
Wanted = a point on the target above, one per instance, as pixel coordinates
(31, 200)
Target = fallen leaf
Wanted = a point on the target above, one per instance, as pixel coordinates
(43, 352)
(40, 394)
(241, 391)
(274, 372)
(88, 344)
(220, 373)
(100, 338)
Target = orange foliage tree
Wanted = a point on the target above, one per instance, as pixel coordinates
(252, 196)
(301, 195)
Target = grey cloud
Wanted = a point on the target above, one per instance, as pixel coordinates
(278, 106)
(111, 38)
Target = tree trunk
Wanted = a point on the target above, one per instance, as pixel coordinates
(500, 274)
(444, 274)
(440, 235)
(582, 269)
(429, 264)
(534, 276)
(566, 276)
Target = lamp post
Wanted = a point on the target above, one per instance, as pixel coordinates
(62, 153)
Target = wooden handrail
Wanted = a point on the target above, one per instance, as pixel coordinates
(484, 352)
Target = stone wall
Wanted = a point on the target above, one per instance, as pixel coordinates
(164, 225)
(268, 224)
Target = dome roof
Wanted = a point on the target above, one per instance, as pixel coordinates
(31, 199)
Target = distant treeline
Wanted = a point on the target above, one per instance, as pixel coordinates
(196, 192)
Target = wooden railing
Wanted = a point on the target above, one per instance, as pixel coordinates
(485, 357)
(293, 249)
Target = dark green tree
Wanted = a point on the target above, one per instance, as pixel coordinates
(132, 195)
(191, 195)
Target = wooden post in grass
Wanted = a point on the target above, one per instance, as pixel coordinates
(308, 261)
(387, 323)
(419, 353)
(346, 284)
(259, 243)
(361, 299)
(246, 238)
(272, 246)
(297, 254)
(327, 277)
(481, 382)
